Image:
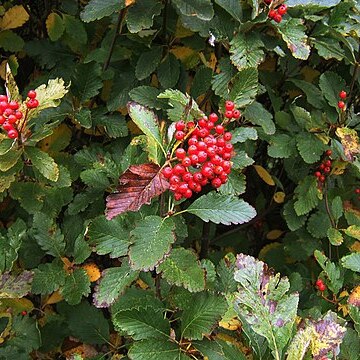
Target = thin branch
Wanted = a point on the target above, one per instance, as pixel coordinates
(205, 240)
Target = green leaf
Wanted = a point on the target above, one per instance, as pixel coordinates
(10, 41)
(293, 33)
(201, 82)
(112, 284)
(332, 271)
(15, 286)
(319, 224)
(246, 51)
(76, 285)
(201, 9)
(313, 95)
(43, 162)
(152, 239)
(263, 303)
(84, 118)
(146, 95)
(10, 159)
(48, 278)
(55, 26)
(310, 147)
(281, 146)
(199, 319)
(222, 209)
(258, 115)
(220, 82)
(156, 349)
(351, 262)
(85, 322)
(306, 195)
(147, 122)
(236, 184)
(141, 324)
(31, 196)
(331, 84)
(109, 236)
(245, 87)
(329, 48)
(87, 81)
(141, 15)
(225, 281)
(312, 3)
(75, 28)
(97, 9)
(241, 160)
(148, 62)
(233, 7)
(337, 208)
(335, 237)
(353, 231)
(218, 350)
(242, 134)
(168, 71)
(6, 145)
(182, 268)
(293, 221)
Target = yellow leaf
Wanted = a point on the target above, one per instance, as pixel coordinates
(350, 142)
(143, 285)
(309, 73)
(14, 18)
(322, 137)
(93, 271)
(232, 325)
(354, 297)
(344, 293)
(186, 55)
(274, 234)
(55, 26)
(344, 308)
(279, 197)
(134, 130)
(338, 167)
(265, 176)
(54, 298)
(129, 2)
(212, 62)
(355, 247)
(16, 305)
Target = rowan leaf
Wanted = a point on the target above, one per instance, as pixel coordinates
(148, 62)
(351, 262)
(331, 84)
(137, 186)
(307, 196)
(222, 209)
(151, 241)
(97, 9)
(15, 286)
(48, 278)
(182, 268)
(55, 26)
(201, 9)
(245, 87)
(14, 17)
(77, 285)
(141, 15)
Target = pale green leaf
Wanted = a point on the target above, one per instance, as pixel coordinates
(335, 237)
(306, 195)
(242, 134)
(351, 262)
(258, 115)
(245, 87)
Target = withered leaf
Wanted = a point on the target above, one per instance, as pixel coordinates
(137, 186)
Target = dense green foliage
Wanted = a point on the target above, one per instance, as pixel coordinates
(97, 268)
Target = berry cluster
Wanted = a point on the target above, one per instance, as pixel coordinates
(278, 13)
(319, 284)
(204, 156)
(10, 113)
(324, 168)
(342, 96)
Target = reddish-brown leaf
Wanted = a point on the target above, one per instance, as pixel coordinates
(137, 186)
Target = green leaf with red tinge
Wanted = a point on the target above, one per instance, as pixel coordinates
(15, 286)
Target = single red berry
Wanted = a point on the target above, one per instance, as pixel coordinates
(210, 125)
(327, 163)
(227, 136)
(203, 132)
(207, 171)
(3, 105)
(32, 94)
(202, 123)
(187, 176)
(180, 125)
(186, 161)
(177, 196)
(328, 152)
(180, 153)
(188, 194)
(13, 134)
(183, 187)
(220, 141)
(343, 94)
(227, 155)
(216, 182)
(228, 148)
(202, 156)
(201, 145)
(3, 98)
(322, 287)
(24, 313)
(229, 114)
(179, 169)
(32, 104)
(198, 177)
(13, 105)
(327, 169)
(173, 187)
(277, 18)
(272, 14)
(179, 135)
(12, 119)
(18, 114)
(341, 104)
(174, 179)
(223, 178)
(282, 9)
(194, 159)
(322, 178)
(357, 191)
(226, 165)
(216, 160)
(236, 114)
(2, 119)
(193, 140)
(167, 172)
(229, 105)
(322, 166)
(8, 112)
(319, 282)
(218, 170)
(7, 126)
(193, 150)
(213, 118)
(317, 174)
(190, 124)
(267, 2)
(219, 129)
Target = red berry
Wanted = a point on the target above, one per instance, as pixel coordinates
(218, 170)
(229, 105)
(202, 156)
(180, 153)
(203, 132)
(3, 98)
(328, 152)
(3, 105)
(277, 18)
(317, 174)
(357, 191)
(13, 105)
(174, 179)
(327, 163)
(194, 159)
(187, 176)
(188, 194)
(8, 112)
(219, 129)
(198, 177)
(183, 187)
(216, 182)
(207, 171)
(267, 2)
(201, 145)
(322, 178)
(190, 125)
(220, 141)
(7, 126)
(272, 14)
(13, 134)
(227, 155)
(341, 104)
(229, 114)
(236, 114)
(202, 123)
(216, 160)
(167, 172)
(193, 140)
(24, 313)
(177, 196)
(186, 161)
(2, 119)
(32, 104)
(342, 94)
(322, 166)
(193, 150)
(178, 169)
(32, 94)
(322, 287)
(213, 117)
(210, 125)
(180, 125)
(227, 136)
(12, 119)
(179, 135)
(226, 165)
(18, 114)
(228, 148)
(282, 9)
(319, 282)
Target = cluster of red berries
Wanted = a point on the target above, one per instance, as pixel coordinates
(204, 156)
(278, 13)
(10, 113)
(324, 168)
(319, 284)
(342, 96)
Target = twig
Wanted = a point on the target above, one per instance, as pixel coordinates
(205, 240)
(354, 77)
